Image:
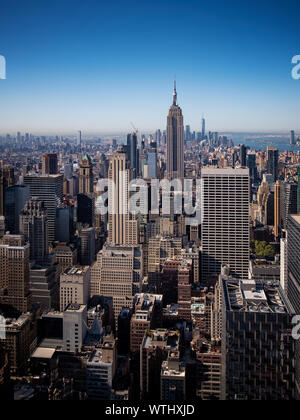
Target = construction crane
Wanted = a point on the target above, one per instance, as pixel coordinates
(135, 129)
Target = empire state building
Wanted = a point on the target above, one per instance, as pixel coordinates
(175, 141)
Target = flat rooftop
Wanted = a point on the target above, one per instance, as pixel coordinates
(75, 271)
(250, 296)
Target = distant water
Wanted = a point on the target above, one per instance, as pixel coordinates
(261, 142)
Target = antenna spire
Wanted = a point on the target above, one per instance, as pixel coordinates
(175, 93)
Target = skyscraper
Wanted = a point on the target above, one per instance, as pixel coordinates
(277, 217)
(293, 139)
(122, 228)
(132, 153)
(243, 155)
(258, 351)
(49, 189)
(6, 180)
(79, 139)
(14, 273)
(86, 178)
(175, 141)
(49, 164)
(203, 128)
(34, 227)
(298, 197)
(225, 229)
(272, 156)
(15, 199)
(293, 279)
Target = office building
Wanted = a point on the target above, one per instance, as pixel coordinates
(14, 273)
(14, 201)
(74, 286)
(44, 284)
(147, 315)
(86, 177)
(225, 229)
(74, 327)
(85, 209)
(258, 351)
(173, 379)
(293, 138)
(132, 154)
(155, 348)
(87, 249)
(123, 228)
(243, 155)
(293, 280)
(101, 368)
(118, 273)
(49, 164)
(272, 161)
(66, 255)
(49, 189)
(34, 227)
(277, 212)
(288, 201)
(175, 141)
(79, 139)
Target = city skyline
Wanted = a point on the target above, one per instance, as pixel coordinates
(106, 66)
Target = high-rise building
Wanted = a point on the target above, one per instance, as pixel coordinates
(258, 350)
(85, 209)
(273, 157)
(288, 201)
(293, 280)
(175, 141)
(101, 369)
(34, 227)
(7, 179)
(49, 189)
(251, 164)
(225, 228)
(243, 155)
(203, 128)
(132, 154)
(87, 254)
(277, 214)
(74, 286)
(74, 327)
(86, 177)
(79, 139)
(293, 138)
(123, 228)
(14, 273)
(152, 161)
(298, 197)
(173, 378)
(49, 164)
(118, 273)
(15, 199)
(185, 275)
(147, 315)
(155, 348)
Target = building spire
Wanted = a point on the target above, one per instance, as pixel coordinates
(175, 94)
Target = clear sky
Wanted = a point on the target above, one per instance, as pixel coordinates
(97, 65)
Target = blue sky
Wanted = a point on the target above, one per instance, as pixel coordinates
(96, 65)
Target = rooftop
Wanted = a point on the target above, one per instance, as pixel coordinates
(251, 296)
